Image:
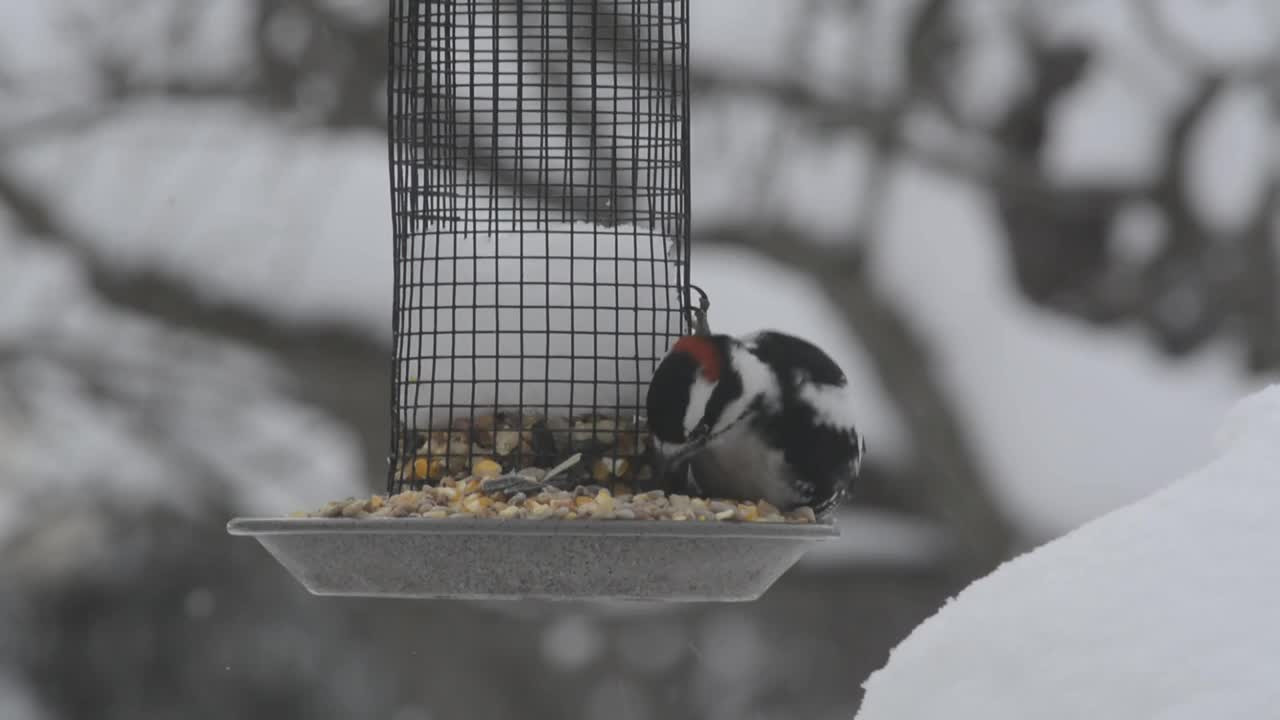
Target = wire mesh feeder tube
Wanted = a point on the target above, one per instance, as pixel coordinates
(539, 157)
(540, 202)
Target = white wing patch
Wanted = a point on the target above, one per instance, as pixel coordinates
(833, 405)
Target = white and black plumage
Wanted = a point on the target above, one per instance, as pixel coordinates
(766, 416)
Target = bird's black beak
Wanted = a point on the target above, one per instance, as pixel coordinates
(693, 445)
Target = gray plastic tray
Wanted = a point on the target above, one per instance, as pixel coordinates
(537, 559)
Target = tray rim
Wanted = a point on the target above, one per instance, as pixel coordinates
(258, 526)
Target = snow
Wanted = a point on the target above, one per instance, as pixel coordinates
(1225, 177)
(1162, 609)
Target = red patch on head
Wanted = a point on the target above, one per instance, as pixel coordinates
(703, 351)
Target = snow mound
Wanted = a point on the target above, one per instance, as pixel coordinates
(1162, 609)
(581, 314)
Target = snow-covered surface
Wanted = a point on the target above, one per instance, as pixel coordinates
(1165, 608)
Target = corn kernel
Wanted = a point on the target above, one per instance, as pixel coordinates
(486, 469)
(426, 469)
(605, 501)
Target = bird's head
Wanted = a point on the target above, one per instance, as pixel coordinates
(704, 386)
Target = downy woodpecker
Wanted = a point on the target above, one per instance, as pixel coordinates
(766, 416)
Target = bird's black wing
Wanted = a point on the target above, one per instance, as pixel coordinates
(789, 354)
(823, 455)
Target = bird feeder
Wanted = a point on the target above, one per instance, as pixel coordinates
(539, 159)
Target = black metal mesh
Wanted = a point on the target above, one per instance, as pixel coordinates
(540, 197)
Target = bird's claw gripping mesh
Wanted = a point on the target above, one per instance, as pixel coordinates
(540, 200)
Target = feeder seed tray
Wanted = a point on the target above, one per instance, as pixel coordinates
(509, 536)
(486, 558)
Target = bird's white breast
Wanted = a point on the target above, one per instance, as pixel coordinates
(738, 464)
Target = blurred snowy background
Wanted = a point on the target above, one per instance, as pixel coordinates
(1040, 236)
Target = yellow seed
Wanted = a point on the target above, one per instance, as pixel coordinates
(486, 469)
(724, 514)
(375, 502)
(436, 513)
(408, 498)
(605, 501)
(571, 516)
(581, 500)
(509, 512)
(681, 517)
